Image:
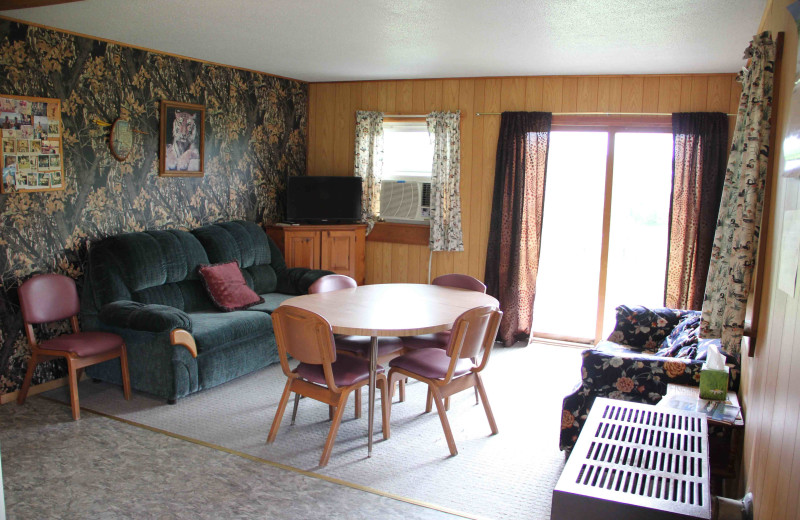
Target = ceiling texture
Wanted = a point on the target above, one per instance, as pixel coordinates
(339, 40)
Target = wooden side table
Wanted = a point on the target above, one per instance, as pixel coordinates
(724, 440)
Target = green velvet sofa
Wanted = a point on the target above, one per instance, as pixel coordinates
(144, 286)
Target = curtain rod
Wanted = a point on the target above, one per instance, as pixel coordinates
(595, 114)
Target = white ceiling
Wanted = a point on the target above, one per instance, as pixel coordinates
(330, 40)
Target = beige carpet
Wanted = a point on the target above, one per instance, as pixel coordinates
(509, 475)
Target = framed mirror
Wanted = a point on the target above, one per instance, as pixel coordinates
(121, 140)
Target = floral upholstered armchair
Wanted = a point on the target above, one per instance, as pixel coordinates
(648, 349)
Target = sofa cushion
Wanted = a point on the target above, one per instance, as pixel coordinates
(248, 244)
(212, 330)
(144, 267)
(684, 336)
(643, 328)
(271, 302)
(227, 288)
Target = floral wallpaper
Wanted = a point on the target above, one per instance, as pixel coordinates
(255, 139)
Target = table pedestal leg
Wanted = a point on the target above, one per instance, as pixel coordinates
(373, 368)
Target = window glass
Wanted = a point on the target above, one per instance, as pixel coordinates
(407, 150)
(572, 230)
(637, 253)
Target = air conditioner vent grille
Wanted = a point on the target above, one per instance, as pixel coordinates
(633, 458)
(399, 200)
(405, 201)
(426, 194)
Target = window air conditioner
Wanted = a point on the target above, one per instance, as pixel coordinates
(405, 201)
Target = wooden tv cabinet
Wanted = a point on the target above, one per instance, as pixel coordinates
(336, 247)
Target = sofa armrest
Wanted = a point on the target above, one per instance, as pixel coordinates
(638, 376)
(127, 314)
(297, 280)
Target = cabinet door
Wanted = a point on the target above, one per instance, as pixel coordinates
(339, 252)
(302, 249)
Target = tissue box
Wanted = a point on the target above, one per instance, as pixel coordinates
(713, 383)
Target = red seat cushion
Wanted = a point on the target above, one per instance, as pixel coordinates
(431, 363)
(227, 288)
(437, 340)
(347, 370)
(360, 345)
(83, 344)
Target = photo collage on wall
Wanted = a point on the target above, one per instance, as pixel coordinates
(31, 144)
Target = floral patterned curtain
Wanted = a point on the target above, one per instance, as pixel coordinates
(736, 237)
(369, 162)
(445, 178)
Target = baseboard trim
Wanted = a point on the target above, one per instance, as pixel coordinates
(36, 389)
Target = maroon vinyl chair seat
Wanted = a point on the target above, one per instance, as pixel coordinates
(431, 363)
(83, 344)
(359, 345)
(437, 340)
(388, 347)
(449, 371)
(47, 298)
(321, 374)
(347, 370)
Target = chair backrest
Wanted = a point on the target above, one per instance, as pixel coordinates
(481, 325)
(48, 297)
(332, 282)
(304, 335)
(460, 281)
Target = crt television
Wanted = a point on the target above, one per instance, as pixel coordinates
(311, 199)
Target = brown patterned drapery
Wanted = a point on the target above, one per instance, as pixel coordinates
(512, 258)
(700, 153)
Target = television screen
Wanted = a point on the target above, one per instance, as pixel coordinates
(323, 199)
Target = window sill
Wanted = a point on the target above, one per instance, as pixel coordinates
(396, 233)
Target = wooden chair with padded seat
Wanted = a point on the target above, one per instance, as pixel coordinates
(321, 374)
(388, 347)
(47, 298)
(441, 339)
(453, 369)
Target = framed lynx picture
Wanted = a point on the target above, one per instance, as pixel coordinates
(30, 129)
(182, 139)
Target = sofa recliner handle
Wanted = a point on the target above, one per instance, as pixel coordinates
(185, 339)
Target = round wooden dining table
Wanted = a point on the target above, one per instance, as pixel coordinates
(393, 309)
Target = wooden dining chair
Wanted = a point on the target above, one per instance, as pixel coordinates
(441, 339)
(453, 369)
(321, 374)
(47, 298)
(388, 347)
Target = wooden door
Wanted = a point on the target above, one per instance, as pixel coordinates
(339, 252)
(302, 248)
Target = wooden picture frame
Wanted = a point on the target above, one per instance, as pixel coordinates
(182, 155)
(32, 149)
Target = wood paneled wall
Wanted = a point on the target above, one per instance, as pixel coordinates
(332, 129)
(771, 382)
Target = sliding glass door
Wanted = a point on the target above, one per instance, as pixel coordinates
(604, 233)
(572, 230)
(639, 230)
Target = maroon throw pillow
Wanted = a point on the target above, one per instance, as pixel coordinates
(227, 288)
